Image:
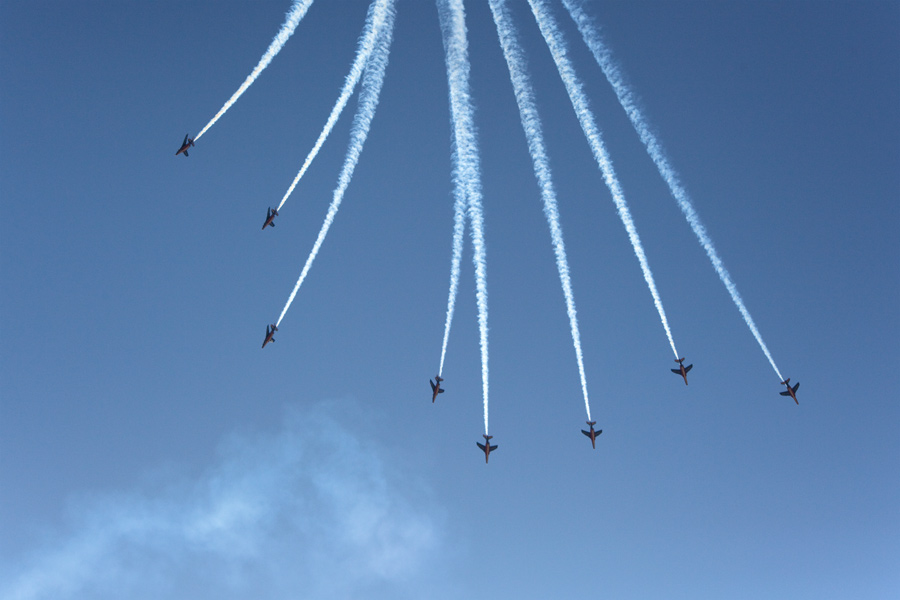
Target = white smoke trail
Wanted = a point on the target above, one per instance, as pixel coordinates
(373, 78)
(467, 171)
(294, 16)
(557, 46)
(374, 22)
(460, 204)
(613, 74)
(531, 123)
(459, 229)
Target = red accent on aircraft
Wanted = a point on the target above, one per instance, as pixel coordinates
(187, 143)
(270, 333)
(270, 218)
(592, 434)
(436, 387)
(486, 447)
(682, 370)
(791, 391)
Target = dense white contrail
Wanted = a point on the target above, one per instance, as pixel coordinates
(557, 46)
(467, 170)
(372, 80)
(627, 99)
(294, 16)
(374, 22)
(460, 203)
(459, 229)
(531, 123)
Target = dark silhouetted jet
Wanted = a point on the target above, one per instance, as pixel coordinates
(270, 333)
(486, 447)
(791, 391)
(187, 143)
(592, 434)
(270, 218)
(436, 387)
(682, 370)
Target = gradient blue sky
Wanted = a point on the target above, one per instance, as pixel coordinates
(149, 448)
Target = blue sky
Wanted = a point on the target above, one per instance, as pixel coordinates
(149, 447)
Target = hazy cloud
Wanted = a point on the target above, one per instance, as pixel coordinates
(310, 511)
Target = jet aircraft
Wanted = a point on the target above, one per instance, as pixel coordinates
(436, 387)
(486, 446)
(682, 370)
(187, 143)
(270, 218)
(791, 391)
(270, 333)
(592, 434)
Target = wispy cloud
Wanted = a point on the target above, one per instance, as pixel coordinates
(311, 511)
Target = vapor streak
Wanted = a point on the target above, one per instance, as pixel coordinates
(466, 170)
(373, 78)
(294, 16)
(374, 23)
(557, 46)
(531, 123)
(613, 74)
(459, 229)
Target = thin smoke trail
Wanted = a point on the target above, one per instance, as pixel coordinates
(531, 123)
(613, 74)
(294, 16)
(467, 171)
(555, 42)
(373, 78)
(460, 204)
(374, 22)
(459, 229)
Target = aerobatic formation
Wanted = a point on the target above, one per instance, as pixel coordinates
(367, 72)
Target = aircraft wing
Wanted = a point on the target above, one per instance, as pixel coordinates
(185, 153)
(492, 447)
(480, 445)
(676, 371)
(785, 393)
(586, 433)
(432, 385)
(688, 368)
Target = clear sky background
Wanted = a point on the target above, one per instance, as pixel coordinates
(149, 448)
